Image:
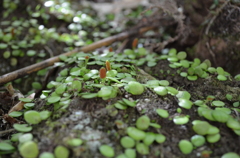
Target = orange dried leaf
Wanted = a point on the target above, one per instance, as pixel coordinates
(102, 73)
(108, 65)
(110, 49)
(134, 43)
(10, 119)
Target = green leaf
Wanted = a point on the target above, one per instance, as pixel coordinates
(201, 127)
(89, 95)
(127, 142)
(26, 100)
(185, 146)
(61, 152)
(6, 146)
(32, 117)
(143, 122)
(53, 99)
(31, 53)
(142, 149)
(29, 149)
(36, 85)
(45, 114)
(22, 127)
(163, 113)
(15, 114)
(75, 142)
(6, 54)
(218, 103)
(180, 120)
(198, 140)
(135, 133)
(160, 138)
(185, 103)
(3, 45)
(106, 150)
(135, 88)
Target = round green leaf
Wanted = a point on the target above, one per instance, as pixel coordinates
(160, 90)
(180, 120)
(61, 152)
(213, 130)
(185, 103)
(163, 113)
(25, 137)
(143, 122)
(6, 54)
(213, 138)
(220, 116)
(29, 149)
(192, 78)
(221, 78)
(135, 88)
(142, 149)
(185, 146)
(45, 114)
(31, 53)
(230, 155)
(53, 99)
(150, 137)
(46, 155)
(160, 138)
(107, 151)
(75, 142)
(233, 123)
(29, 105)
(181, 55)
(130, 153)
(127, 142)
(135, 133)
(32, 117)
(22, 127)
(36, 85)
(218, 103)
(198, 140)
(201, 127)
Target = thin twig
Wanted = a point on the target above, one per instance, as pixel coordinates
(211, 52)
(7, 131)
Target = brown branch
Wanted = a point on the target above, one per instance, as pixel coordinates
(46, 63)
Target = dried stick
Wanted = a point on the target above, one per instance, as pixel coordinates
(46, 63)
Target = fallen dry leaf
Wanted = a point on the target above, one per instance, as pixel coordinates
(19, 105)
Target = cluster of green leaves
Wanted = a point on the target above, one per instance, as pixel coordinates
(30, 37)
(138, 139)
(193, 69)
(27, 147)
